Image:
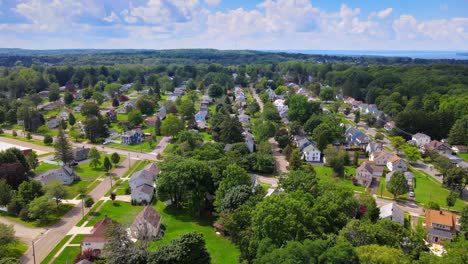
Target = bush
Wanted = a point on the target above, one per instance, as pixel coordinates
(128, 191)
(14, 133)
(24, 214)
(48, 139)
(433, 205)
(89, 202)
(1, 131)
(28, 136)
(379, 136)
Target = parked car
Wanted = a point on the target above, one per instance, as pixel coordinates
(411, 194)
(74, 163)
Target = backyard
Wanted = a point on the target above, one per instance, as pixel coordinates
(326, 174)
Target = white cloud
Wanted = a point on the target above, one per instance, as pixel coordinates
(111, 18)
(212, 2)
(127, 17)
(165, 11)
(381, 14)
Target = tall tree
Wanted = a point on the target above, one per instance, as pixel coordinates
(458, 132)
(63, 148)
(56, 191)
(397, 185)
(157, 126)
(231, 130)
(71, 119)
(5, 193)
(107, 164)
(299, 180)
(456, 178)
(32, 160)
(172, 125)
(295, 161)
(233, 176)
(115, 158)
(188, 248)
(95, 157)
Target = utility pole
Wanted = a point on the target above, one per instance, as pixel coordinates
(34, 252)
(82, 206)
(129, 161)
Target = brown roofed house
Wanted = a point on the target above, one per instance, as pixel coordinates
(440, 225)
(147, 224)
(97, 239)
(437, 146)
(367, 171)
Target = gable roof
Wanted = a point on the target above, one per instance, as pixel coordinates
(440, 217)
(149, 215)
(309, 148)
(152, 167)
(147, 176)
(390, 209)
(146, 189)
(371, 167)
(394, 159)
(98, 233)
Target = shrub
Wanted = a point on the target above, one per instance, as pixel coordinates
(14, 133)
(28, 136)
(89, 202)
(48, 139)
(1, 131)
(433, 205)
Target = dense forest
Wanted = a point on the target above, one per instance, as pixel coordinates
(20, 57)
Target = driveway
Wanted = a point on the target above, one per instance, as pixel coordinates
(24, 233)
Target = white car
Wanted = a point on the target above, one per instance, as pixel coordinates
(411, 194)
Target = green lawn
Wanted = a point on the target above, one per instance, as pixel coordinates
(14, 250)
(325, 173)
(78, 239)
(56, 249)
(142, 148)
(67, 255)
(43, 167)
(428, 189)
(176, 224)
(180, 222)
(93, 209)
(463, 155)
(33, 141)
(206, 136)
(54, 218)
(384, 192)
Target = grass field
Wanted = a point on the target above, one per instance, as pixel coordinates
(67, 255)
(56, 249)
(43, 167)
(33, 141)
(78, 239)
(93, 209)
(54, 218)
(176, 224)
(463, 155)
(142, 148)
(428, 189)
(326, 174)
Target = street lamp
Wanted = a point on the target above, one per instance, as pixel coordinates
(34, 252)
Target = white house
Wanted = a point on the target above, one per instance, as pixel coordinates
(64, 174)
(311, 153)
(421, 139)
(96, 240)
(381, 157)
(393, 212)
(142, 184)
(147, 224)
(396, 163)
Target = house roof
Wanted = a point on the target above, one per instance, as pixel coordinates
(440, 233)
(390, 209)
(152, 167)
(148, 176)
(145, 188)
(371, 167)
(420, 135)
(394, 158)
(149, 215)
(98, 233)
(309, 148)
(440, 217)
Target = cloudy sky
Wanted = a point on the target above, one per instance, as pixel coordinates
(235, 24)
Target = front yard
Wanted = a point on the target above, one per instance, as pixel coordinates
(326, 174)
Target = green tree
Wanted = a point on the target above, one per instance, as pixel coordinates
(74, 133)
(41, 208)
(13, 133)
(146, 105)
(71, 119)
(397, 185)
(386, 255)
(456, 178)
(235, 197)
(95, 157)
(135, 118)
(7, 236)
(397, 142)
(89, 202)
(295, 161)
(32, 160)
(188, 248)
(231, 130)
(157, 126)
(300, 109)
(115, 158)
(458, 132)
(28, 136)
(63, 149)
(215, 90)
(357, 116)
(98, 97)
(412, 153)
(89, 109)
(464, 221)
(5, 193)
(299, 181)
(29, 190)
(327, 94)
(172, 125)
(233, 176)
(186, 108)
(56, 191)
(341, 253)
(47, 139)
(54, 95)
(107, 164)
(67, 98)
(336, 159)
(451, 199)
(63, 124)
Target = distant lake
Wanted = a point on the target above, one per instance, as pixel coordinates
(457, 55)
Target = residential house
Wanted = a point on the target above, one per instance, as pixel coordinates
(356, 137)
(206, 99)
(77, 109)
(393, 212)
(372, 109)
(244, 120)
(363, 108)
(396, 163)
(311, 153)
(64, 174)
(440, 225)
(64, 114)
(53, 122)
(381, 157)
(421, 139)
(112, 115)
(249, 141)
(454, 159)
(437, 146)
(367, 171)
(43, 93)
(51, 105)
(96, 240)
(409, 176)
(389, 125)
(373, 147)
(125, 87)
(80, 154)
(460, 149)
(302, 142)
(147, 224)
(201, 115)
(161, 113)
(151, 121)
(135, 136)
(142, 185)
(271, 94)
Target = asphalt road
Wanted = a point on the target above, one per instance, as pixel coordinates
(281, 163)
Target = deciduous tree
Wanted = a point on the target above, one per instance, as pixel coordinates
(397, 185)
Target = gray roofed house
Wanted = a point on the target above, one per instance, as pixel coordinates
(244, 119)
(64, 174)
(249, 141)
(302, 143)
(80, 154)
(393, 212)
(374, 147)
(142, 184)
(147, 224)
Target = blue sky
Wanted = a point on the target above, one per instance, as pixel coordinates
(235, 24)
